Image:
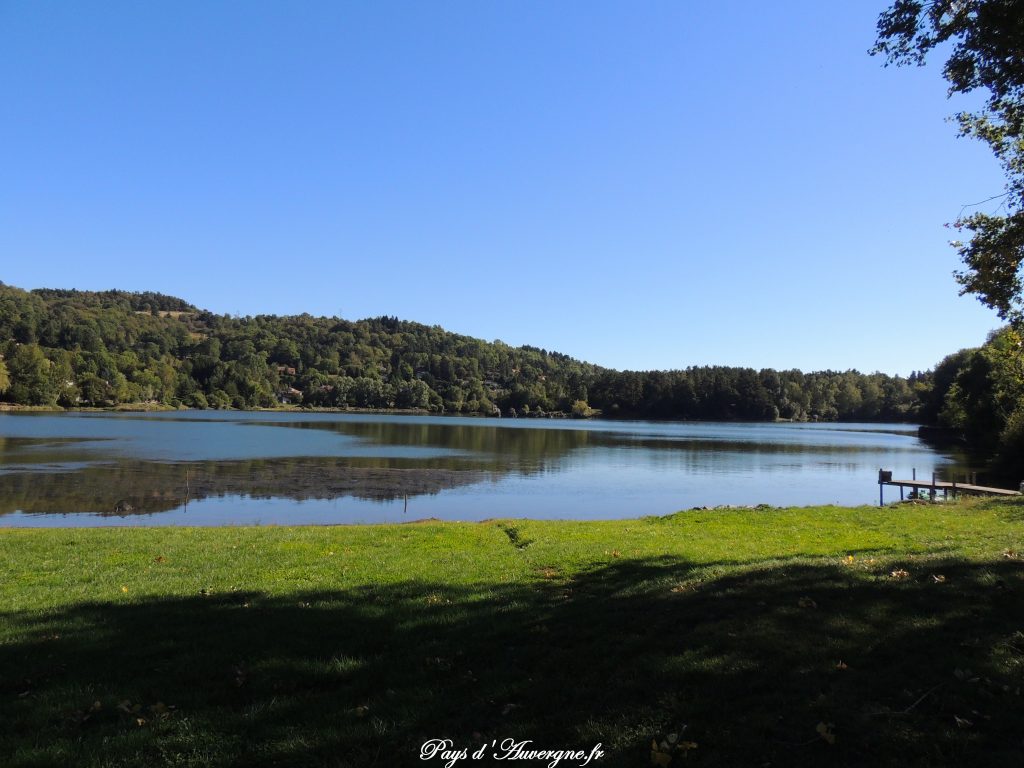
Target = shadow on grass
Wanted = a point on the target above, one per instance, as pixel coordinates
(922, 669)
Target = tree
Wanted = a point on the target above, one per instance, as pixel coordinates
(412, 394)
(581, 410)
(94, 390)
(987, 53)
(986, 398)
(5, 379)
(30, 377)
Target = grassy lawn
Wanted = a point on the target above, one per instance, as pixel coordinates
(782, 637)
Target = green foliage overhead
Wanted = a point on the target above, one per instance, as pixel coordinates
(985, 44)
(78, 348)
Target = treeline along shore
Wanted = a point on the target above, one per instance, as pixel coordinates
(101, 349)
(78, 349)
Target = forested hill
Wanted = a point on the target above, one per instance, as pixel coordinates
(82, 348)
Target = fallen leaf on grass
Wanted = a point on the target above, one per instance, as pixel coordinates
(965, 675)
(899, 573)
(826, 732)
(663, 751)
(938, 578)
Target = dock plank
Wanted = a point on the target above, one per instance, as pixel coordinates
(943, 485)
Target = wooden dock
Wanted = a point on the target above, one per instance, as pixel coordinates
(933, 486)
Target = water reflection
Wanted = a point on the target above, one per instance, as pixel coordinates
(122, 466)
(139, 487)
(497, 448)
(27, 454)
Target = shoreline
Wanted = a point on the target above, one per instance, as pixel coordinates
(548, 416)
(387, 524)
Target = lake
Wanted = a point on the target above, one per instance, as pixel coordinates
(241, 468)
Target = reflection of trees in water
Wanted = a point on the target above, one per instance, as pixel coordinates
(500, 448)
(489, 452)
(42, 450)
(526, 448)
(138, 487)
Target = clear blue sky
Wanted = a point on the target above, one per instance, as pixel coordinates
(641, 185)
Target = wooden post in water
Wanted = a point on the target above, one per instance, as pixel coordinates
(932, 493)
(883, 477)
(913, 474)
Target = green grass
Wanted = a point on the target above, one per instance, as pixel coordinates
(774, 636)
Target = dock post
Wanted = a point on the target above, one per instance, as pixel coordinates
(954, 487)
(880, 488)
(913, 474)
(901, 493)
(932, 492)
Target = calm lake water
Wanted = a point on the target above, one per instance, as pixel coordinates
(217, 468)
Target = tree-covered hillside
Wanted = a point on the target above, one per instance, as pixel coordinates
(81, 348)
